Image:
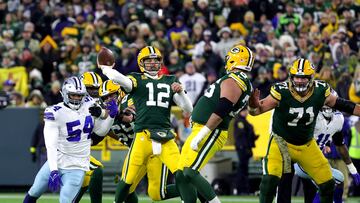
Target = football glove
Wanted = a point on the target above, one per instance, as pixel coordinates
(113, 108)
(95, 111)
(54, 183)
(356, 178)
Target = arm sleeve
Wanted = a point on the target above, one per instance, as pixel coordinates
(119, 78)
(51, 135)
(102, 126)
(183, 101)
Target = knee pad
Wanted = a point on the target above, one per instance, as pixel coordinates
(268, 184)
(338, 176)
(327, 188)
(190, 173)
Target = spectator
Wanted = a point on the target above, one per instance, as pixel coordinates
(27, 42)
(200, 47)
(193, 82)
(54, 96)
(36, 99)
(244, 142)
(226, 41)
(354, 42)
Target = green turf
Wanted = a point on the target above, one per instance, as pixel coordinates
(108, 198)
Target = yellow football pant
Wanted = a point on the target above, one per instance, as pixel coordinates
(94, 164)
(140, 160)
(207, 148)
(308, 156)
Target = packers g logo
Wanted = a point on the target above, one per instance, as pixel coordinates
(161, 134)
(235, 50)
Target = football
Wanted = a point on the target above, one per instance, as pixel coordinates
(105, 57)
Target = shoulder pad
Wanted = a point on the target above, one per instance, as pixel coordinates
(51, 111)
(277, 88)
(323, 86)
(239, 79)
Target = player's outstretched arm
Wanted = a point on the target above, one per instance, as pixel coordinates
(119, 78)
(341, 104)
(181, 99)
(257, 106)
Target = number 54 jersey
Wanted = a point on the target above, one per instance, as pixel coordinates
(74, 128)
(294, 118)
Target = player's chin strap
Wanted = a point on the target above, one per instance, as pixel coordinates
(284, 152)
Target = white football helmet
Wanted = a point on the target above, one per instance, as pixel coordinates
(73, 86)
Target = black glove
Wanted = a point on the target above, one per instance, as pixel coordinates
(95, 111)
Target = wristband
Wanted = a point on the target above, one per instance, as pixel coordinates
(351, 168)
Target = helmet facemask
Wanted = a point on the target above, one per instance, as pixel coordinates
(301, 86)
(93, 91)
(73, 92)
(152, 65)
(327, 112)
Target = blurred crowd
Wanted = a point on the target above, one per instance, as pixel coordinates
(56, 39)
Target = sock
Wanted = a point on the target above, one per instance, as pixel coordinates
(171, 192)
(122, 191)
(201, 184)
(132, 198)
(187, 190)
(339, 189)
(95, 186)
(317, 198)
(30, 199)
(326, 191)
(80, 194)
(215, 200)
(268, 188)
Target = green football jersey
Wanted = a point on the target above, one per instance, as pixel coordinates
(294, 118)
(124, 131)
(209, 101)
(152, 99)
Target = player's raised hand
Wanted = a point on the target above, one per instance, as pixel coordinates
(177, 87)
(95, 111)
(54, 183)
(254, 100)
(112, 107)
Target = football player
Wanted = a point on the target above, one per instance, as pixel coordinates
(211, 117)
(68, 132)
(94, 177)
(297, 103)
(329, 124)
(152, 95)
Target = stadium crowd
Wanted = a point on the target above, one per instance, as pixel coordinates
(55, 40)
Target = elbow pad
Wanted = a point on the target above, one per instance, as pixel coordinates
(96, 139)
(224, 107)
(344, 105)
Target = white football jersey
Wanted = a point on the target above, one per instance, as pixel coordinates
(193, 85)
(75, 128)
(324, 131)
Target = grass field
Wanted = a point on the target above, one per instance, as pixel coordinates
(107, 198)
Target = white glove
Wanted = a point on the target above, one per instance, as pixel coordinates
(195, 142)
(199, 137)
